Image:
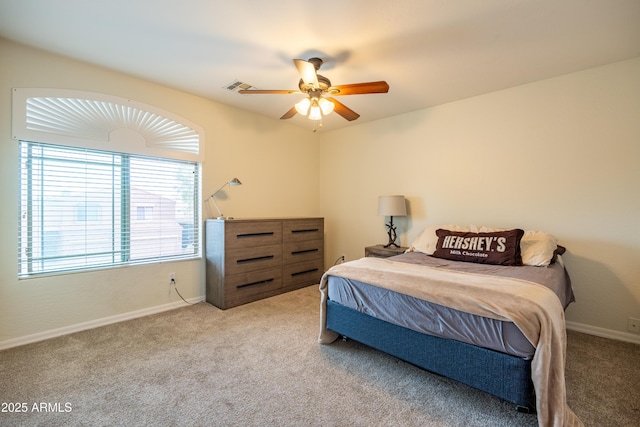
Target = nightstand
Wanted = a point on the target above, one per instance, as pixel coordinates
(379, 251)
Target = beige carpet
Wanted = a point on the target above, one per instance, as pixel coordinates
(260, 365)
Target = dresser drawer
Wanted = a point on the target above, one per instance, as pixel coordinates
(244, 287)
(296, 230)
(242, 234)
(251, 259)
(302, 251)
(302, 273)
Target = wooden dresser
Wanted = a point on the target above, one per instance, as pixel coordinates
(251, 259)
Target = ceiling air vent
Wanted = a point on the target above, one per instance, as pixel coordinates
(237, 85)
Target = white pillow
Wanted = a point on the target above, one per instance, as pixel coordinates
(537, 248)
(427, 240)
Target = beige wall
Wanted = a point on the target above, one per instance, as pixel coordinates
(238, 144)
(560, 155)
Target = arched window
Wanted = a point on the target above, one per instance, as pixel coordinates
(104, 182)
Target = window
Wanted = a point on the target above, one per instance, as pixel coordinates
(144, 212)
(105, 181)
(85, 209)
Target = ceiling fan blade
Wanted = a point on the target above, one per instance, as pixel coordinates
(292, 112)
(360, 88)
(343, 110)
(267, 91)
(307, 71)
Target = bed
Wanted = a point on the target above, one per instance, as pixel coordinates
(480, 305)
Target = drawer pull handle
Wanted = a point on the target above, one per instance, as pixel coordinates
(260, 258)
(245, 235)
(305, 230)
(260, 282)
(313, 270)
(304, 251)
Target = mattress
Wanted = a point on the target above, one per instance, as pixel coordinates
(426, 317)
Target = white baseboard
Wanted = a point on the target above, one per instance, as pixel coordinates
(604, 333)
(41, 336)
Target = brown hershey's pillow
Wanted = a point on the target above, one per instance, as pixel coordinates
(500, 247)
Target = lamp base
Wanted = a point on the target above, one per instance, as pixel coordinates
(392, 234)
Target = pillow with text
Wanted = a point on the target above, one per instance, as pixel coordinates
(498, 247)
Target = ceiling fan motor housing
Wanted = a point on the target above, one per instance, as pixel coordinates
(323, 83)
(317, 62)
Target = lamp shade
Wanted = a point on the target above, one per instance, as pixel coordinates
(302, 107)
(326, 106)
(235, 181)
(392, 206)
(314, 112)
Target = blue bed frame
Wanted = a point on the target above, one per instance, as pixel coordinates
(502, 375)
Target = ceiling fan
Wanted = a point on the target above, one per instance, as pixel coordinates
(315, 86)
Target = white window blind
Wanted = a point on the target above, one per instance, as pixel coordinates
(103, 122)
(85, 209)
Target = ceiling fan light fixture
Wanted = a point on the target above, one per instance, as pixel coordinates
(314, 112)
(302, 107)
(326, 106)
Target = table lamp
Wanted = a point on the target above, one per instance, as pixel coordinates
(392, 206)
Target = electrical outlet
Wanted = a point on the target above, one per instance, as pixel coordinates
(172, 278)
(633, 325)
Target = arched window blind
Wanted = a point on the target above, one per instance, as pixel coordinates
(103, 122)
(104, 183)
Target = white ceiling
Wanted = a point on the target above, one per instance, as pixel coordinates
(429, 51)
